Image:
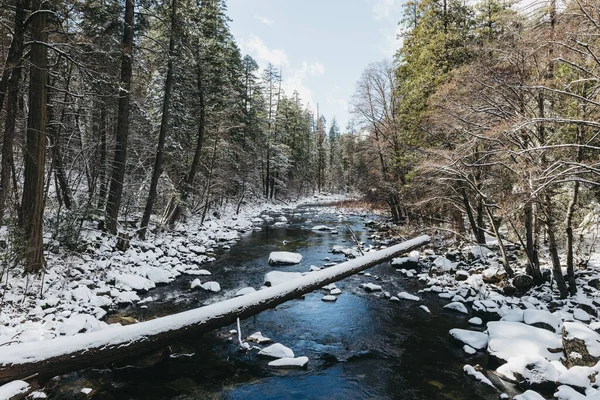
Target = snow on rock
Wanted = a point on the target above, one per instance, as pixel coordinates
(408, 296)
(477, 252)
(581, 315)
(565, 392)
(125, 297)
(475, 321)
(277, 350)
(469, 350)
(425, 308)
(278, 277)
(511, 339)
(321, 228)
(542, 319)
(257, 337)
(211, 286)
(577, 377)
(245, 291)
(284, 258)
(469, 370)
(195, 283)
(476, 340)
(135, 282)
(287, 362)
(581, 344)
(13, 389)
(371, 287)
(461, 275)
(79, 323)
(529, 370)
(329, 297)
(335, 291)
(443, 264)
(529, 395)
(86, 391)
(457, 306)
(159, 275)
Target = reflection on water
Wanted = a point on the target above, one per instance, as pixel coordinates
(360, 347)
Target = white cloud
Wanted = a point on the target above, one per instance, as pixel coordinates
(263, 54)
(263, 20)
(383, 9)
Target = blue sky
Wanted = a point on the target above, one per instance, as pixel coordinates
(322, 45)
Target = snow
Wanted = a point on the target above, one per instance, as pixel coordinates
(475, 321)
(371, 287)
(577, 376)
(576, 330)
(469, 370)
(287, 362)
(335, 291)
(476, 340)
(321, 228)
(407, 296)
(581, 315)
(195, 283)
(512, 339)
(529, 395)
(568, 393)
(443, 264)
(86, 390)
(425, 308)
(532, 317)
(12, 389)
(277, 350)
(457, 306)
(257, 337)
(135, 282)
(534, 369)
(211, 286)
(274, 278)
(469, 350)
(284, 258)
(329, 298)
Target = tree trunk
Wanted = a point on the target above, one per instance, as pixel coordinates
(505, 261)
(32, 206)
(55, 356)
(12, 106)
(103, 148)
(164, 123)
(118, 167)
(569, 224)
(553, 249)
(533, 264)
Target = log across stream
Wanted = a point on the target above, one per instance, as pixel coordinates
(108, 346)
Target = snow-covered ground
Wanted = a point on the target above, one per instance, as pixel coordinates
(79, 289)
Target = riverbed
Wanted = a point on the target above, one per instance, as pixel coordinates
(363, 346)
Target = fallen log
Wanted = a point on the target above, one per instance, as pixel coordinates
(103, 348)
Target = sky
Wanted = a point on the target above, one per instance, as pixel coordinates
(322, 46)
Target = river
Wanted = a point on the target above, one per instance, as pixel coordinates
(363, 346)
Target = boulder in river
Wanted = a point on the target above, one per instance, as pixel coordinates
(298, 362)
(284, 258)
(277, 350)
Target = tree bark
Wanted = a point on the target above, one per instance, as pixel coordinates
(553, 249)
(56, 356)
(103, 148)
(533, 265)
(32, 206)
(12, 106)
(118, 167)
(164, 124)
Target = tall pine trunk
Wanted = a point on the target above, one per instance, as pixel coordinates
(14, 66)
(118, 167)
(164, 122)
(32, 206)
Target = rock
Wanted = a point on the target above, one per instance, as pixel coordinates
(407, 296)
(329, 298)
(443, 264)
(522, 282)
(493, 274)
(509, 290)
(276, 350)
(195, 283)
(476, 340)
(286, 362)
(335, 291)
(477, 375)
(578, 377)
(211, 286)
(371, 287)
(461, 275)
(469, 350)
(475, 321)
(258, 337)
(477, 252)
(511, 339)
(530, 371)
(529, 395)
(581, 315)
(542, 319)
(456, 306)
(284, 258)
(581, 344)
(425, 308)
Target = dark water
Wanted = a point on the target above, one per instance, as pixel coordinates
(361, 347)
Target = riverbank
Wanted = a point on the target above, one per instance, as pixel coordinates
(79, 290)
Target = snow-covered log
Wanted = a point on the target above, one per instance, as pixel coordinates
(50, 357)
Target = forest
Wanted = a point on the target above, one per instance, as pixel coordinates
(135, 117)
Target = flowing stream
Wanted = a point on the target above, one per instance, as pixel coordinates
(363, 346)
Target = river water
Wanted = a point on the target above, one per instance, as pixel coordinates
(363, 346)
